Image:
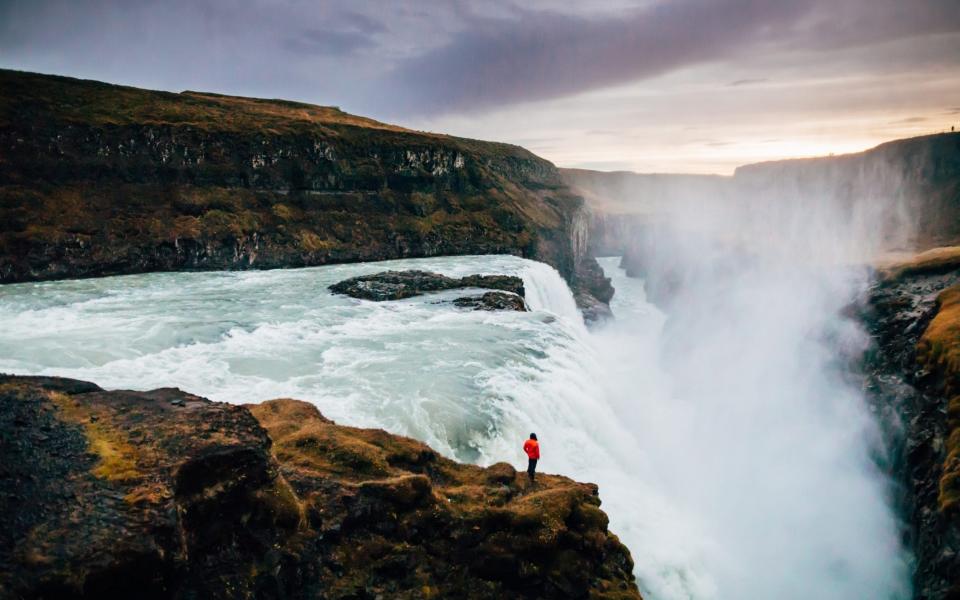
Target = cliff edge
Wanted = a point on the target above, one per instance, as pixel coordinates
(912, 374)
(163, 494)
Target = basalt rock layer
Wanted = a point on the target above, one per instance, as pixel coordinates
(111, 494)
(97, 179)
(912, 376)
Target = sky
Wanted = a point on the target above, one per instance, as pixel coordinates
(686, 86)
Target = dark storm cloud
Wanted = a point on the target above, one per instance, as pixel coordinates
(313, 51)
(539, 55)
(750, 81)
(342, 35)
(328, 42)
(407, 57)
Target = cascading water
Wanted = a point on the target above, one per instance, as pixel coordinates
(733, 466)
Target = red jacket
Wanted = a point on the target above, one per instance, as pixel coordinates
(532, 448)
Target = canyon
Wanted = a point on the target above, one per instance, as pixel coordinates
(231, 499)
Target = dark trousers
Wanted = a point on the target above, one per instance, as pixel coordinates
(531, 467)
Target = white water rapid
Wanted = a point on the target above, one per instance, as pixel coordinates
(732, 455)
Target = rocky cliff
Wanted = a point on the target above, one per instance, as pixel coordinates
(97, 179)
(167, 495)
(921, 174)
(912, 374)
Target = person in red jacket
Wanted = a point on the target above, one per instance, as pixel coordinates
(532, 448)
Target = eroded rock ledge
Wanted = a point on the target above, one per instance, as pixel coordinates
(163, 494)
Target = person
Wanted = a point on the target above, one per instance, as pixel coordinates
(532, 448)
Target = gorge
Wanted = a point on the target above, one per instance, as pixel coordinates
(754, 415)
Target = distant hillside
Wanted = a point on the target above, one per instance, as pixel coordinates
(98, 179)
(922, 172)
(625, 192)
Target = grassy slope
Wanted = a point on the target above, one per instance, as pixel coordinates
(97, 103)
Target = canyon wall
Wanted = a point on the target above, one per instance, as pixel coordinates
(97, 179)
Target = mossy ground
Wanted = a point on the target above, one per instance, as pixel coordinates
(117, 458)
(938, 352)
(433, 509)
(162, 494)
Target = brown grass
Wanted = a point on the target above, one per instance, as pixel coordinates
(104, 104)
(117, 458)
(939, 353)
(939, 348)
(934, 260)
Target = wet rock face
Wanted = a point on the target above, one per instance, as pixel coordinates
(397, 285)
(493, 301)
(166, 495)
(594, 292)
(912, 404)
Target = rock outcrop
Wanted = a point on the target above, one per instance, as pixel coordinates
(397, 285)
(113, 494)
(495, 301)
(97, 179)
(912, 374)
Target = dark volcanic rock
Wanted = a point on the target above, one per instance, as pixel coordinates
(166, 495)
(396, 285)
(124, 494)
(912, 404)
(492, 301)
(593, 310)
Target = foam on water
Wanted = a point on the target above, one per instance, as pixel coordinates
(418, 367)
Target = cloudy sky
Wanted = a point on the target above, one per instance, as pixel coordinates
(648, 85)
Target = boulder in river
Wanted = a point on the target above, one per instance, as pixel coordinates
(492, 301)
(397, 285)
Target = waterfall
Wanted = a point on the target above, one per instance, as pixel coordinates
(546, 290)
(730, 457)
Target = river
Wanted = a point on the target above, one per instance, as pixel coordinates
(734, 457)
